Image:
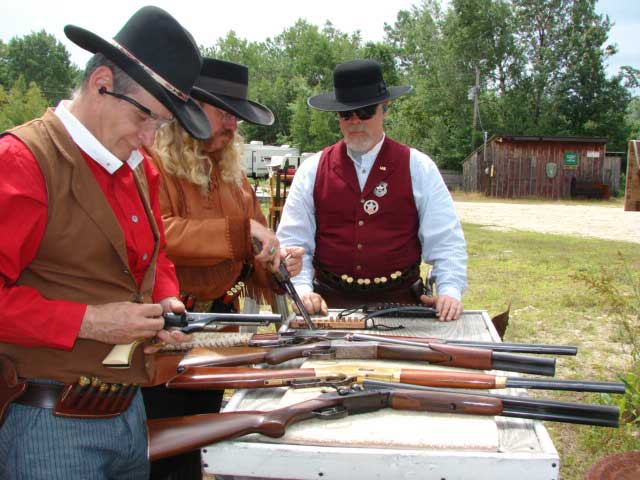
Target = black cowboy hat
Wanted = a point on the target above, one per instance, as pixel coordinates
(224, 85)
(356, 84)
(161, 56)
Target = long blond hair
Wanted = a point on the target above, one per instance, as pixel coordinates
(183, 156)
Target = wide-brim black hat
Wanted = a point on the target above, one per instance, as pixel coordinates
(161, 56)
(225, 85)
(356, 84)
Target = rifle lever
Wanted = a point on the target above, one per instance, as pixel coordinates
(331, 413)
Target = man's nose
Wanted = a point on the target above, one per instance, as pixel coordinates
(230, 121)
(147, 136)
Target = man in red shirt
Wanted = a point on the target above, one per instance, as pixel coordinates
(82, 262)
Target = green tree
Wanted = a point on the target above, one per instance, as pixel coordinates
(20, 104)
(42, 59)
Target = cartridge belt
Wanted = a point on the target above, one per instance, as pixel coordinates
(87, 398)
(350, 284)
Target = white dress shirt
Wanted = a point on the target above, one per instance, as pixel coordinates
(90, 144)
(440, 232)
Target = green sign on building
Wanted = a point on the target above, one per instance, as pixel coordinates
(570, 159)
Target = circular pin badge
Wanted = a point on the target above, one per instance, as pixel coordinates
(381, 189)
(371, 207)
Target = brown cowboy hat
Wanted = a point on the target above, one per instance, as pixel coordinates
(224, 85)
(356, 84)
(161, 56)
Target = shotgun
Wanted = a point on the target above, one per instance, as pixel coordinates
(434, 353)
(220, 378)
(173, 436)
(120, 355)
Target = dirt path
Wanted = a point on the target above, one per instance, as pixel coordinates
(582, 220)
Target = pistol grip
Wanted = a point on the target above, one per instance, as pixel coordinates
(120, 355)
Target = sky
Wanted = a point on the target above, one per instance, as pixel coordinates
(258, 20)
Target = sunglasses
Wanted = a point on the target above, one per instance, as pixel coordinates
(363, 113)
(158, 121)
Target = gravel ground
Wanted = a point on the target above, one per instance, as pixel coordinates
(581, 220)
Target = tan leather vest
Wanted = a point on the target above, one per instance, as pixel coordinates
(82, 257)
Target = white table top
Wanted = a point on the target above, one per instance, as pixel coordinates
(389, 444)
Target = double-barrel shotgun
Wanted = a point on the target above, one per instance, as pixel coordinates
(220, 378)
(120, 355)
(433, 353)
(173, 436)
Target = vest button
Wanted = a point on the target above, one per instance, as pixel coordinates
(362, 200)
(144, 257)
(360, 223)
(134, 218)
(358, 267)
(359, 246)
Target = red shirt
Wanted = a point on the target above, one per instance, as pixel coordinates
(23, 219)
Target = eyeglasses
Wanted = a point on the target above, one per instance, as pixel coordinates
(157, 121)
(363, 113)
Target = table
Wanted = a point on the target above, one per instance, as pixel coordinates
(471, 447)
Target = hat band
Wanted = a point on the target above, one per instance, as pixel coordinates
(163, 82)
(359, 93)
(223, 87)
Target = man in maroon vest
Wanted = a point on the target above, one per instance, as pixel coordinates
(82, 262)
(368, 210)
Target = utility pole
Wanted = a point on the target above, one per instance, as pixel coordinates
(476, 89)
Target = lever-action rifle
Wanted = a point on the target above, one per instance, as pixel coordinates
(173, 436)
(434, 353)
(293, 337)
(220, 378)
(120, 355)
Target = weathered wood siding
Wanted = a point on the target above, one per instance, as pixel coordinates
(518, 168)
(632, 194)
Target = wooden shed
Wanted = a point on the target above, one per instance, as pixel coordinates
(632, 195)
(549, 167)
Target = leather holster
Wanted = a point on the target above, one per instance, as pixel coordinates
(10, 386)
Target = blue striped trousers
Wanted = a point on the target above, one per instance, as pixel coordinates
(35, 444)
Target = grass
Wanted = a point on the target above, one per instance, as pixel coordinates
(545, 278)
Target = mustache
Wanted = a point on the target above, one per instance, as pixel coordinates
(357, 128)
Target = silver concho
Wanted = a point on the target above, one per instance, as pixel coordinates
(371, 207)
(381, 189)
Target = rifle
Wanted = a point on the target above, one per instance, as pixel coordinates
(120, 355)
(220, 378)
(293, 337)
(173, 436)
(434, 353)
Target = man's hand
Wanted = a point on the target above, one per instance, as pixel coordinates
(269, 256)
(169, 305)
(292, 257)
(121, 323)
(313, 303)
(447, 308)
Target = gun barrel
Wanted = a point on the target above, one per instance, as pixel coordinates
(524, 364)
(524, 407)
(567, 385)
(534, 348)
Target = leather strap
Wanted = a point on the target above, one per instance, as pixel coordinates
(40, 395)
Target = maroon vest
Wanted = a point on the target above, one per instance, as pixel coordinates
(348, 239)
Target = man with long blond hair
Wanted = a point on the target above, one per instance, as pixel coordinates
(211, 218)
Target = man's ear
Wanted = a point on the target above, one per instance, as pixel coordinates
(101, 77)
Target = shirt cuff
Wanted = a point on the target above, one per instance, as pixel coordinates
(449, 290)
(64, 331)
